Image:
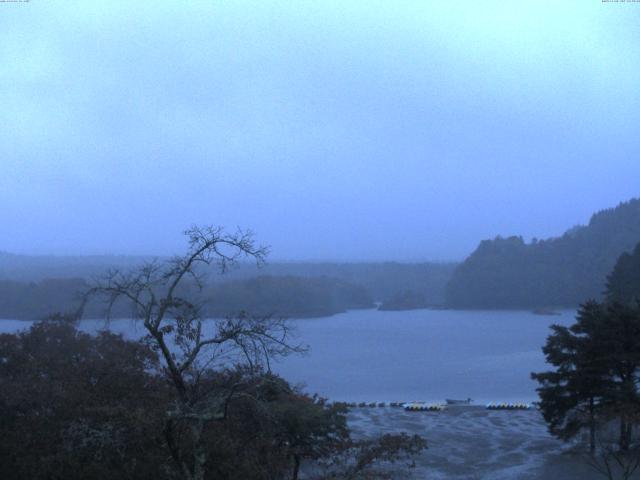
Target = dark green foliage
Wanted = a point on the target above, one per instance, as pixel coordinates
(73, 406)
(595, 378)
(623, 284)
(572, 393)
(34, 301)
(509, 273)
(285, 296)
(382, 281)
(77, 406)
(260, 296)
(272, 429)
(619, 343)
(407, 300)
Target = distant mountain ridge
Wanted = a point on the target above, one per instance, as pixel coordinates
(259, 296)
(33, 286)
(383, 280)
(562, 271)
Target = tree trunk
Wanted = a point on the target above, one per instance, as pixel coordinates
(625, 435)
(296, 467)
(199, 451)
(592, 427)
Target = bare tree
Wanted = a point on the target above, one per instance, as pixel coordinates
(611, 461)
(162, 298)
(372, 458)
(614, 463)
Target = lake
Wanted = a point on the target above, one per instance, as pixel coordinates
(429, 355)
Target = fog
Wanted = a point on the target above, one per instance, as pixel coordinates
(360, 131)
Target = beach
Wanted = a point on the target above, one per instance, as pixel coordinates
(471, 442)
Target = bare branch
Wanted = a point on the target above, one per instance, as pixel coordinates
(175, 329)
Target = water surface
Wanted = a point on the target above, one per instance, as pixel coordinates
(423, 355)
(430, 355)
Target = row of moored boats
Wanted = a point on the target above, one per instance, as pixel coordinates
(437, 407)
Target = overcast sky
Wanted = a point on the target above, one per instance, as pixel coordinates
(359, 130)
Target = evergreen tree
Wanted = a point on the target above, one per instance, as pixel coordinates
(623, 284)
(562, 271)
(573, 393)
(619, 338)
(595, 379)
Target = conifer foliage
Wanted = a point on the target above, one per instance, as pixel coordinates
(596, 364)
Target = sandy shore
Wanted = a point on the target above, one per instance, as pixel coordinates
(470, 442)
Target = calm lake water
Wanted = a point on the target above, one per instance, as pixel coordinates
(430, 355)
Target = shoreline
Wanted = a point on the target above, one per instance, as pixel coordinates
(471, 443)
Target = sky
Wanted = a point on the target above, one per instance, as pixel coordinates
(335, 130)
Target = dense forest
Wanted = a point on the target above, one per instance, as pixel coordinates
(383, 280)
(285, 296)
(564, 271)
(593, 383)
(33, 286)
(500, 273)
(623, 283)
(261, 296)
(178, 403)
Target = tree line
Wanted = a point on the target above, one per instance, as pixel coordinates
(382, 281)
(192, 400)
(558, 272)
(280, 296)
(594, 384)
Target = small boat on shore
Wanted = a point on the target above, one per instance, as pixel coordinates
(450, 401)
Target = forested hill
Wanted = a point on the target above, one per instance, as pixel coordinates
(426, 281)
(32, 287)
(259, 296)
(564, 271)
